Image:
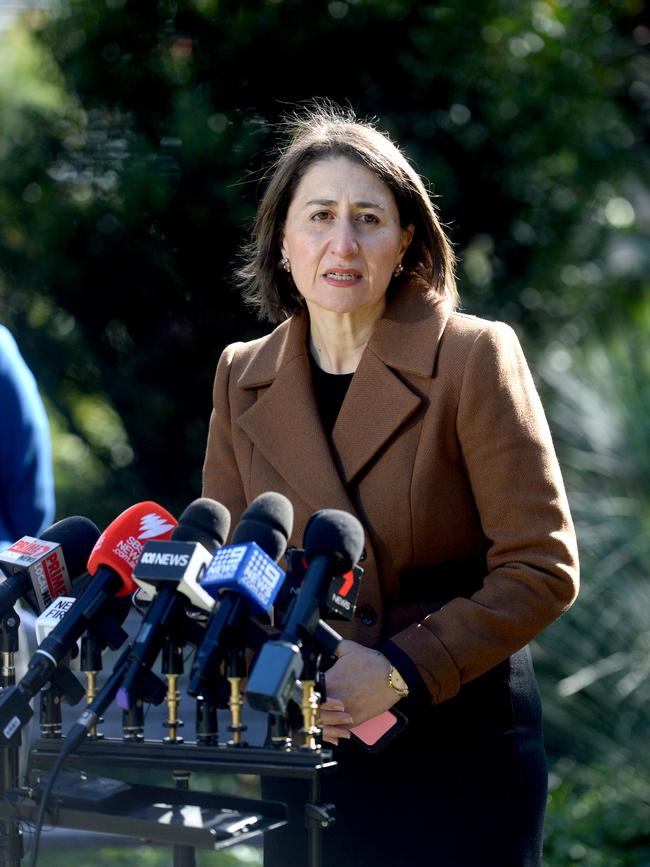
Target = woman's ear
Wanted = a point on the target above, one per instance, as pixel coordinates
(407, 237)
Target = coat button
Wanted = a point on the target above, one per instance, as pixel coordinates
(367, 615)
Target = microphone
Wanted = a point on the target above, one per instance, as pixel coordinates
(333, 543)
(171, 570)
(244, 579)
(110, 564)
(40, 570)
(202, 529)
(341, 597)
(268, 521)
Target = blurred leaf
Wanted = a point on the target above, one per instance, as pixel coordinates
(594, 663)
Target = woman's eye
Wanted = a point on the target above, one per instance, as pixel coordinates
(319, 216)
(368, 218)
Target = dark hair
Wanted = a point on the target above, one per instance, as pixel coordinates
(321, 132)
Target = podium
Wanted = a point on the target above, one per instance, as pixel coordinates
(174, 815)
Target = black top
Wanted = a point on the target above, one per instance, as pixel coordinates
(330, 390)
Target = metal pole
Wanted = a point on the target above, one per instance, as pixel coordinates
(314, 830)
(11, 839)
(184, 856)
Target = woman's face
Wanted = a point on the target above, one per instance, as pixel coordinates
(343, 237)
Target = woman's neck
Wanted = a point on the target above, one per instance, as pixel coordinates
(337, 340)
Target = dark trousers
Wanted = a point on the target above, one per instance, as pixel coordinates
(464, 785)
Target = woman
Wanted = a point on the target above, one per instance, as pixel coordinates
(374, 396)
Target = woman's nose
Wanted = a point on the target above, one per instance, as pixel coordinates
(344, 240)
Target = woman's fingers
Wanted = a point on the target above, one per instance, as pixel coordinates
(335, 718)
(333, 713)
(332, 704)
(335, 721)
(331, 734)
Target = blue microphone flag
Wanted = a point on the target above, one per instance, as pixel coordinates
(247, 569)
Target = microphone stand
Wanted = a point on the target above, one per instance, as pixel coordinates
(279, 732)
(62, 686)
(150, 689)
(91, 664)
(207, 721)
(214, 694)
(182, 630)
(235, 671)
(311, 699)
(11, 838)
(133, 721)
(320, 639)
(172, 668)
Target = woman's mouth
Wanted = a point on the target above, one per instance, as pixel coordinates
(343, 276)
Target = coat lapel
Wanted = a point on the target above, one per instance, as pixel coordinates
(375, 407)
(385, 391)
(284, 423)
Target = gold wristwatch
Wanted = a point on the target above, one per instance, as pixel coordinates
(397, 682)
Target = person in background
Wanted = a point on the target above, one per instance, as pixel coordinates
(27, 499)
(27, 496)
(375, 395)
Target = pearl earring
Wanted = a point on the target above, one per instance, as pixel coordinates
(398, 270)
(285, 264)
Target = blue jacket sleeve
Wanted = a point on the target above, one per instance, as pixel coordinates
(27, 501)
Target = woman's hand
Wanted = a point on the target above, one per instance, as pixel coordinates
(357, 690)
(335, 721)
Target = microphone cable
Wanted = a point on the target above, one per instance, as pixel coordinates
(69, 745)
(45, 794)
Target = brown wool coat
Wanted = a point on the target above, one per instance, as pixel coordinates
(443, 453)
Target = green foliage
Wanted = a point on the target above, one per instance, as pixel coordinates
(597, 817)
(594, 663)
(601, 648)
(131, 160)
(29, 79)
(243, 855)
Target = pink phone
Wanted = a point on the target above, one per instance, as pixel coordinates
(376, 732)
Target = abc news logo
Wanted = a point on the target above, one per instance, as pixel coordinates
(155, 558)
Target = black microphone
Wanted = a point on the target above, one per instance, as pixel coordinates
(111, 562)
(172, 570)
(39, 570)
(333, 543)
(268, 522)
(244, 580)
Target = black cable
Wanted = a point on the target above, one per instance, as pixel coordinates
(45, 794)
(74, 737)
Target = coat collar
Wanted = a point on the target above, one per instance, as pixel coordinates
(284, 422)
(406, 338)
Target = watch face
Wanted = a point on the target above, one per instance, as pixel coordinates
(397, 681)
